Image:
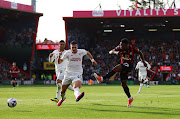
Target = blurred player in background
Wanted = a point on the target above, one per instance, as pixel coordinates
(142, 73)
(59, 68)
(14, 70)
(74, 70)
(148, 77)
(126, 53)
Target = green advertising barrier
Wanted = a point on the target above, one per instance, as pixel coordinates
(38, 82)
(5, 82)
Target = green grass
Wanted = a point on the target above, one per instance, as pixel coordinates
(100, 102)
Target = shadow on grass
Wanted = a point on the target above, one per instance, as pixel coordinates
(149, 110)
(23, 111)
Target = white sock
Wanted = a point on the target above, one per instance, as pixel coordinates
(71, 88)
(141, 85)
(130, 98)
(58, 90)
(76, 92)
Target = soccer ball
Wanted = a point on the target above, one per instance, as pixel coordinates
(11, 102)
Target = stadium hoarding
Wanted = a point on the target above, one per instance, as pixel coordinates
(48, 66)
(165, 68)
(47, 47)
(17, 6)
(127, 13)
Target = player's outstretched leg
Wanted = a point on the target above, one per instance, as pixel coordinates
(62, 99)
(80, 96)
(129, 102)
(56, 99)
(141, 85)
(98, 78)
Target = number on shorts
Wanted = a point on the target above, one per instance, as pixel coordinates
(79, 76)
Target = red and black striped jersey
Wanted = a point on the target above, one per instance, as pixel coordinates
(127, 56)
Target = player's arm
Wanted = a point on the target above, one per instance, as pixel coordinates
(142, 57)
(113, 51)
(91, 58)
(61, 59)
(137, 67)
(11, 71)
(152, 71)
(51, 57)
(17, 71)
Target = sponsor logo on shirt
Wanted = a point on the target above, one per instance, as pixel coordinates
(75, 59)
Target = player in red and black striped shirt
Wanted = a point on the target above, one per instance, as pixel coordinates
(14, 70)
(126, 53)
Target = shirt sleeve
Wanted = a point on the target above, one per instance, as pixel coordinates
(137, 66)
(117, 48)
(84, 52)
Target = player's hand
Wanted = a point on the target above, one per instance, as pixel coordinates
(94, 63)
(113, 52)
(51, 54)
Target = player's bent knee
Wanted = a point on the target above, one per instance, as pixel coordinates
(58, 81)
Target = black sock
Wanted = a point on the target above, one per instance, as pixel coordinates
(14, 84)
(126, 90)
(108, 75)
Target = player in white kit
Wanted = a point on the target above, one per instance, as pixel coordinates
(59, 68)
(142, 73)
(74, 70)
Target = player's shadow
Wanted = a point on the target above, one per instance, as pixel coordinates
(165, 111)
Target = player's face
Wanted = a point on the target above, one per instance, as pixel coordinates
(74, 48)
(123, 46)
(62, 46)
(14, 64)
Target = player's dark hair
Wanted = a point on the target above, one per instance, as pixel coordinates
(74, 42)
(61, 41)
(125, 41)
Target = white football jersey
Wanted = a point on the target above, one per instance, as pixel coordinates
(54, 59)
(142, 69)
(74, 61)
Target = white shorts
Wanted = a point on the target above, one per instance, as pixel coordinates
(60, 74)
(71, 78)
(142, 77)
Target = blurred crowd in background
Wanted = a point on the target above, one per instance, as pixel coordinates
(158, 52)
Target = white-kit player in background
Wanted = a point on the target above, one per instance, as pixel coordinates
(59, 68)
(74, 70)
(142, 73)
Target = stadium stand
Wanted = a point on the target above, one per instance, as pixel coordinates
(18, 27)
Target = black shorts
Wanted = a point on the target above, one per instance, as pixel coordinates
(126, 68)
(13, 78)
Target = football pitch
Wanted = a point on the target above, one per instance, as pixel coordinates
(99, 102)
